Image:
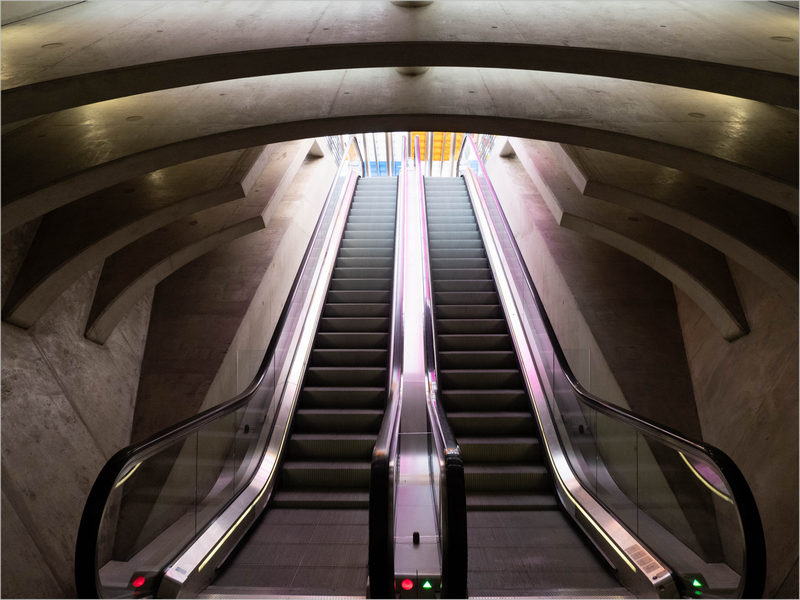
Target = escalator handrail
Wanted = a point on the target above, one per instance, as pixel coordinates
(86, 542)
(755, 550)
(454, 515)
(381, 514)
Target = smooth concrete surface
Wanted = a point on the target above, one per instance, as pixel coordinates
(81, 235)
(616, 316)
(242, 287)
(94, 53)
(67, 407)
(25, 553)
(696, 268)
(752, 233)
(748, 145)
(109, 308)
(17, 11)
(618, 326)
(151, 258)
(746, 395)
(294, 221)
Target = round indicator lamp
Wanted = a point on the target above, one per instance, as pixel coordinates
(407, 584)
(138, 581)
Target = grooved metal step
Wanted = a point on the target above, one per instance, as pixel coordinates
(483, 359)
(343, 395)
(340, 357)
(514, 477)
(509, 501)
(355, 446)
(326, 474)
(492, 423)
(343, 420)
(321, 498)
(345, 376)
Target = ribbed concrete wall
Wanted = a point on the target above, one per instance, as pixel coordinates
(746, 393)
(67, 407)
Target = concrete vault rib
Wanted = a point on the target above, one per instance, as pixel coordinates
(630, 45)
(80, 235)
(36, 99)
(691, 265)
(114, 298)
(756, 235)
(748, 145)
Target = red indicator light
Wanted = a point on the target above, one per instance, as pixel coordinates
(138, 581)
(406, 584)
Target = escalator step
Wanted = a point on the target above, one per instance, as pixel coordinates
(484, 501)
(362, 272)
(457, 244)
(386, 252)
(333, 474)
(349, 357)
(454, 235)
(346, 376)
(489, 341)
(351, 340)
(343, 397)
(450, 253)
(500, 449)
(460, 379)
(355, 446)
(351, 420)
(361, 284)
(506, 477)
(369, 233)
(364, 262)
(353, 324)
(368, 243)
(498, 359)
(485, 400)
(459, 263)
(321, 498)
(465, 298)
(470, 326)
(439, 275)
(492, 424)
(469, 311)
(341, 309)
(466, 285)
(358, 296)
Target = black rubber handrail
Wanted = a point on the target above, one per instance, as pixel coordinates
(91, 518)
(453, 525)
(755, 549)
(381, 483)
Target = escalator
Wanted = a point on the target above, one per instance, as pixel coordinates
(294, 486)
(313, 538)
(520, 543)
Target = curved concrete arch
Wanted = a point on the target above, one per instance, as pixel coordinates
(691, 265)
(476, 34)
(729, 321)
(36, 99)
(759, 238)
(49, 268)
(749, 145)
(80, 235)
(105, 316)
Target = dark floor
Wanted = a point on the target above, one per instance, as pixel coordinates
(533, 553)
(303, 552)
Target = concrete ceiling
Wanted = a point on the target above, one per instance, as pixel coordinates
(649, 99)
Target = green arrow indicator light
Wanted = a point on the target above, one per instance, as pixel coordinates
(427, 585)
(696, 583)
